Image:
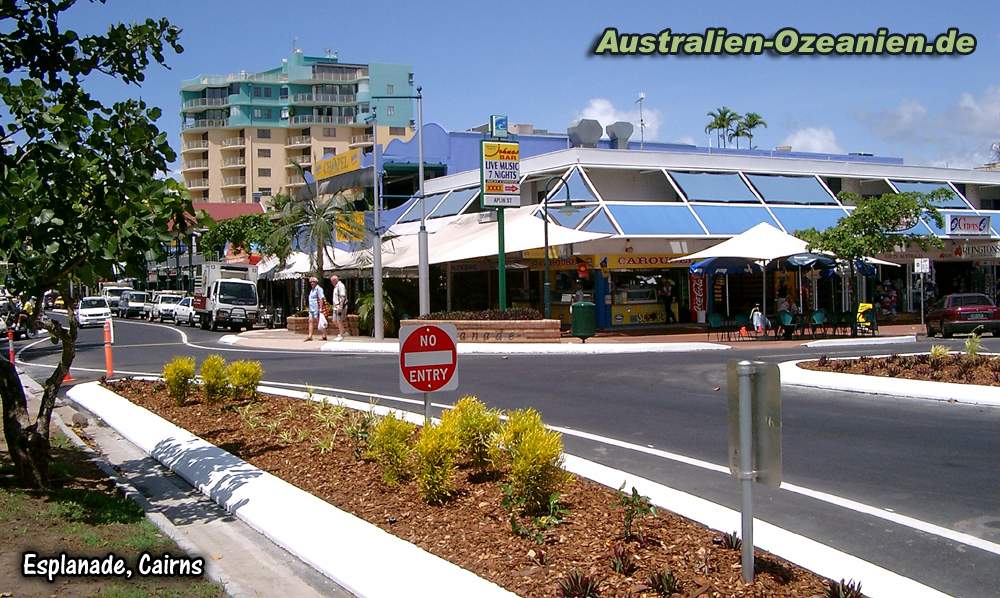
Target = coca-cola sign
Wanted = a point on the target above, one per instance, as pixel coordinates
(699, 297)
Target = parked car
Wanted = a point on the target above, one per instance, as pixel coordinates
(963, 312)
(93, 311)
(184, 312)
(163, 306)
(112, 293)
(131, 303)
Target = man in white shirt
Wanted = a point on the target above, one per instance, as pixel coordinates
(339, 304)
(316, 301)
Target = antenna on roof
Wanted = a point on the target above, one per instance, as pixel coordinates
(295, 43)
(642, 123)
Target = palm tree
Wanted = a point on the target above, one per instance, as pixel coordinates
(723, 123)
(751, 121)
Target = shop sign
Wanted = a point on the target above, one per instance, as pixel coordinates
(339, 164)
(699, 295)
(500, 174)
(967, 226)
(990, 250)
(638, 261)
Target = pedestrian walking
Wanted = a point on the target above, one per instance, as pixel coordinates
(316, 301)
(339, 303)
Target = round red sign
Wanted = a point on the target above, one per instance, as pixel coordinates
(427, 358)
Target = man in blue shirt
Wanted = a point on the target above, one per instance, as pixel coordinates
(316, 302)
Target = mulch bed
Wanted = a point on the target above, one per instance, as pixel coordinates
(957, 367)
(472, 529)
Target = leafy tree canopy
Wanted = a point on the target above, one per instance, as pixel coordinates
(243, 231)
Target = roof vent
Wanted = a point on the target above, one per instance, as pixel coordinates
(783, 148)
(619, 133)
(584, 133)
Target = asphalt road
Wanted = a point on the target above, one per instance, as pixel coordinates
(933, 462)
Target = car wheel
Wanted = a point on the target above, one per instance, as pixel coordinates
(945, 332)
(931, 333)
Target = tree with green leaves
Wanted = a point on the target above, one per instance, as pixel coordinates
(747, 124)
(246, 231)
(723, 122)
(81, 185)
(878, 225)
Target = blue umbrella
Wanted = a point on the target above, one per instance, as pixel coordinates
(809, 260)
(725, 266)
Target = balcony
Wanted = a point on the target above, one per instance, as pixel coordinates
(219, 80)
(362, 140)
(301, 160)
(340, 75)
(314, 119)
(206, 123)
(193, 146)
(298, 140)
(196, 184)
(323, 98)
(195, 165)
(234, 181)
(199, 103)
(295, 181)
(233, 143)
(234, 162)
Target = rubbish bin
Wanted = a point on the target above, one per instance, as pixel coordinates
(584, 319)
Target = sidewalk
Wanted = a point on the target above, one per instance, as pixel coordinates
(605, 343)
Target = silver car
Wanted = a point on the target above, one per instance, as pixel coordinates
(184, 312)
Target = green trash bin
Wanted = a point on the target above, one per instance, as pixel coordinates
(584, 320)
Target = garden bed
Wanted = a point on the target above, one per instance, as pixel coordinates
(500, 331)
(956, 368)
(287, 438)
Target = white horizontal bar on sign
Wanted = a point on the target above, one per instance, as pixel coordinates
(426, 358)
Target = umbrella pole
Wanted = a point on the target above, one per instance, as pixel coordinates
(727, 296)
(802, 309)
(763, 305)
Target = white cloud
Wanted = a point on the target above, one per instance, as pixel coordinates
(604, 111)
(814, 139)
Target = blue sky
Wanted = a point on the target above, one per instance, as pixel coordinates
(531, 61)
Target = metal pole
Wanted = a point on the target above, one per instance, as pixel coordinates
(427, 409)
(546, 285)
(377, 239)
(501, 261)
(423, 267)
(922, 300)
(190, 252)
(745, 370)
(448, 275)
(727, 296)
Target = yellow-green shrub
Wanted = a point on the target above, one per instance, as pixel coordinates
(213, 378)
(939, 351)
(243, 377)
(474, 426)
(435, 451)
(389, 445)
(509, 434)
(533, 458)
(178, 373)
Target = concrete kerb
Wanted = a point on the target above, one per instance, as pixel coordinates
(901, 388)
(536, 348)
(860, 342)
(822, 559)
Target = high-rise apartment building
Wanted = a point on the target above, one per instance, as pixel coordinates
(242, 134)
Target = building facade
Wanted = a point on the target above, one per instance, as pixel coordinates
(244, 136)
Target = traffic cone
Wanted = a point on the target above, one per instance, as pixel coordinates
(743, 331)
(68, 377)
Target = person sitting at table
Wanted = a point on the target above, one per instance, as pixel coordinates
(781, 303)
(758, 319)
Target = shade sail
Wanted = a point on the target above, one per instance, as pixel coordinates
(299, 263)
(763, 242)
(465, 237)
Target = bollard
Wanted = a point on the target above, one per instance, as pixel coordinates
(10, 346)
(109, 370)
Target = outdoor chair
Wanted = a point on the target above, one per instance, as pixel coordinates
(716, 324)
(786, 324)
(818, 320)
(841, 321)
(742, 322)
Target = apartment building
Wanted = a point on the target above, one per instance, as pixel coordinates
(245, 135)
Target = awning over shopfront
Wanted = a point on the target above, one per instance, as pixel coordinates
(299, 263)
(465, 237)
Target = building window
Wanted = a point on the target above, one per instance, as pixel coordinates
(265, 191)
(263, 133)
(234, 89)
(390, 89)
(256, 92)
(329, 151)
(390, 111)
(267, 92)
(264, 113)
(329, 131)
(283, 93)
(397, 130)
(284, 113)
(263, 172)
(263, 153)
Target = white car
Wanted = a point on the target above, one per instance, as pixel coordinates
(93, 311)
(184, 312)
(164, 306)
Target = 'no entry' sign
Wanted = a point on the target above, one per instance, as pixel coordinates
(428, 358)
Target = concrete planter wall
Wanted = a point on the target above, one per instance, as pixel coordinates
(300, 324)
(500, 331)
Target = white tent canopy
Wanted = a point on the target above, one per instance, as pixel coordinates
(465, 237)
(760, 243)
(299, 263)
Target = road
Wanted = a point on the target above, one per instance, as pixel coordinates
(888, 480)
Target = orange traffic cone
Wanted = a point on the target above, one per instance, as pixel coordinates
(68, 377)
(743, 331)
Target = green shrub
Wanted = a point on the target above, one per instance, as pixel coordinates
(358, 426)
(974, 343)
(474, 425)
(634, 506)
(389, 445)
(178, 373)
(512, 313)
(435, 451)
(939, 351)
(533, 456)
(213, 378)
(509, 435)
(243, 377)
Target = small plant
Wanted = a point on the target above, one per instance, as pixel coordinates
(974, 343)
(922, 359)
(243, 377)
(178, 373)
(436, 450)
(536, 471)
(634, 506)
(622, 560)
(939, 352)
(892, 370)
(844, 589)
(509, 435)
(389, 445)
(327, 443)
(664, 583)
(213, 378)
(731, 541)
(577, 584)
(358, 426)
(474, 425)
(823, 361)
(328, 415)
(248, 413)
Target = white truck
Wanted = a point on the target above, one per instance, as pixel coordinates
(226, 296)
(112, 292)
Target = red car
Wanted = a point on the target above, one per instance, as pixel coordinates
(963, 312)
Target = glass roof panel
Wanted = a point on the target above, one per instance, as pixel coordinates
(795, 219)
(569, 219)
(578, 189)
(601, 224)
(454, 203)
(790, 189)
(414, 214)
(954, 202)
(732, 220)
(713, 186)
(656, 220)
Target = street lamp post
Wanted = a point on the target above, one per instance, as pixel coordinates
(377, 319)
(546, 284)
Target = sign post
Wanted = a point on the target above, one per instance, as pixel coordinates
(754, 390)
(428, 361)
(500, 186)
(922, 266)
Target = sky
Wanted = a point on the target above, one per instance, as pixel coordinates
(532, 61)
